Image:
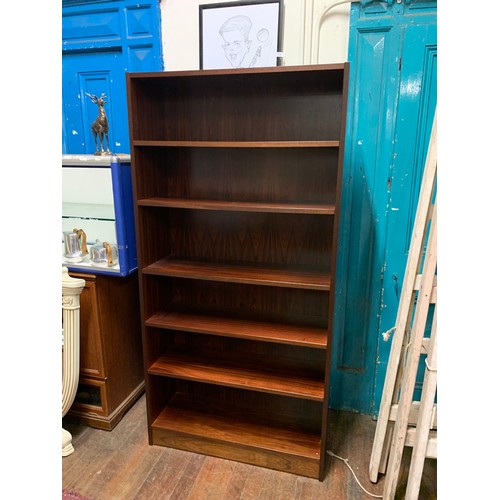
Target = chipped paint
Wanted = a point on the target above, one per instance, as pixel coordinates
(387, 335)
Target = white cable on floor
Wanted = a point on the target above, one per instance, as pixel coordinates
(346, 461)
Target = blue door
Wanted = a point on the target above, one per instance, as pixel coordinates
(101, 41)
(94, 74)
(392, 99)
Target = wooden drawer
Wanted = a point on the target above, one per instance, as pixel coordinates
(91, 397)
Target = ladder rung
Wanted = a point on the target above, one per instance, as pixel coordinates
(413, 417)
(431, 451)
(425, 345)
(416, 287)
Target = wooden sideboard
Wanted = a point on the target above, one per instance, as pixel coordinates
(111, 366)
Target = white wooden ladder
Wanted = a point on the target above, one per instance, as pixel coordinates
(403, 421)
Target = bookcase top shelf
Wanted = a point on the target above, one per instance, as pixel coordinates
(240, 144)
(317, 69)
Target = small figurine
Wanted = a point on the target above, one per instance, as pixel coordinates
(100, 126)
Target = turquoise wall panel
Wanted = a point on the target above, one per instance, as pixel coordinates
(392, 49)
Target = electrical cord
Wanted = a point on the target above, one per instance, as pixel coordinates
(346, 461)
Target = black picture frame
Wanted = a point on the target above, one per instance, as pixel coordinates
(242, 34)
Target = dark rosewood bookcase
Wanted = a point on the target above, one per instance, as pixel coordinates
(237, 179)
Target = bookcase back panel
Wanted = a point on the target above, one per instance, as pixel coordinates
(241, 237)
(292, 106)
(294, 175)
(264, 408)
(270, 355)
(234, 301)
(296, 306)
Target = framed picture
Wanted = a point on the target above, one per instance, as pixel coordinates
(243, 34)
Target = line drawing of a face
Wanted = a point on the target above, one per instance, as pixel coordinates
(236, 44)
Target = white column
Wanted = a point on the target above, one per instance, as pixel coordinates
(71, 290)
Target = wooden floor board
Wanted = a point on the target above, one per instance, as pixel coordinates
(149, 487)
(165, 476)
(186, 482)
(237, 481)
(254, 483)
(211, 480)
(121, 465)
(268, 487)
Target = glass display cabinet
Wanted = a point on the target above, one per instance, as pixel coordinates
(97, 215)
(98, 204)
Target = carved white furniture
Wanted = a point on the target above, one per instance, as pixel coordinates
(71, 290)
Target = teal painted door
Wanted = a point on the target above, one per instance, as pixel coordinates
(392, 99)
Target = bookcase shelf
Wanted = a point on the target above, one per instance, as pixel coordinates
(237, 181)
(219, 271)
(242, 374)
(240, 144)
(234, 206)
(236, 435)
(224, 326)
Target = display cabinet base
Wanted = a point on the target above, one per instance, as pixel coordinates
(86, 415)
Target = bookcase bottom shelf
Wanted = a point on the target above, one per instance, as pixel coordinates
(238, 437)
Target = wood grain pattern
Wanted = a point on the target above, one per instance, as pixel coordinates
(240, 144)
(237, 176)
(295, 464)
(281, 241)
(238, 437)
(240, 328)
(227, 107)
(269, 276)
(285, 305)
(300, 383)
(242, 431)
(267, 175)
(111, 364)
(239, 206)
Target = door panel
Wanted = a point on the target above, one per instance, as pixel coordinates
(417, 103)
(101, 41)
(95, 74)
(392, 96)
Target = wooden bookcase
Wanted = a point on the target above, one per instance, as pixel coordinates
(237, 180)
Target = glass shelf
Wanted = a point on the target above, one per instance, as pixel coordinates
(90, 211)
